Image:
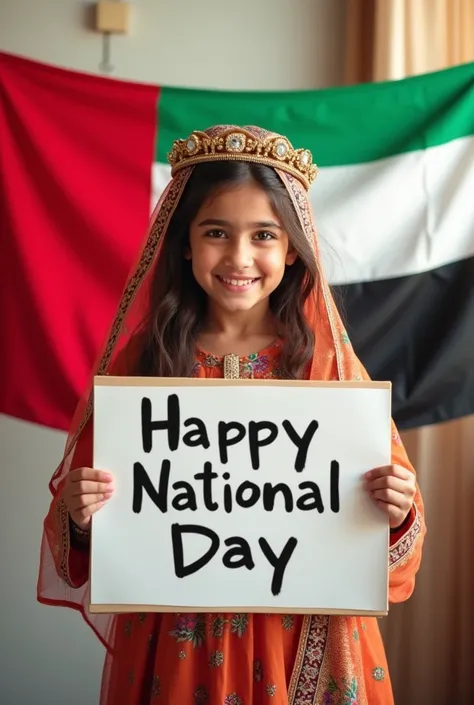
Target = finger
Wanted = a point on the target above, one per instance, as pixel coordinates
(390, 482)
(90, 487)
(80, 474)
(392, 497)
(395, 515)
(386, 508)
(86, 500)
(389, 471)
(83, 514)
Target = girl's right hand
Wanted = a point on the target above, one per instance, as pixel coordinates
(85, 492)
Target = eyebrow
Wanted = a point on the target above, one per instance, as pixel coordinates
(258, 224)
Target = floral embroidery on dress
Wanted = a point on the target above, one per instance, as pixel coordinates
(233, 699)
(131, 677)
(190, 628)
(345, 338)
(257, 670)
(128, 627)
(256, 364)
(216, 659)
(217, 626)
(345, 694)
(355, 635)
(211, 361)
(260, 365)
(238, 624)
(378, 673)
(141, 617)
(200, 695)
(287, 622)
(182, 654)
(271, 690)
(155, 687)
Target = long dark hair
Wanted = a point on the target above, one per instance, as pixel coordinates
(177, 305)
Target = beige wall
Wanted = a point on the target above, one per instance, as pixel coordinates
(48, 656)
(252, 44)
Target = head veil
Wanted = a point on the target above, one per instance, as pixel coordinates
(333, 359)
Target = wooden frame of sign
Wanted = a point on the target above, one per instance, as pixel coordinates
(106, 522)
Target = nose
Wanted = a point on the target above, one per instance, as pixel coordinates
(239, 253)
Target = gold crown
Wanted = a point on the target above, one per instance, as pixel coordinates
(249, 144)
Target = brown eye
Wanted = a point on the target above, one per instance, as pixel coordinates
(264, 236)
(216, 234)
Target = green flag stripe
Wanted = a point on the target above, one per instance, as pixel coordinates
(340, 126)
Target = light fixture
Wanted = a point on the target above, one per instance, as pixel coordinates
(111, 17)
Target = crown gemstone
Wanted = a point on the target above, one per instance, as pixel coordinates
(281, 149)
(305, 158)
(191, 145)
(235, 143)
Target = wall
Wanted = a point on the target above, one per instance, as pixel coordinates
(261, 44)
(48, 656)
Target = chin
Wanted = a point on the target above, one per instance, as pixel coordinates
(237, 306)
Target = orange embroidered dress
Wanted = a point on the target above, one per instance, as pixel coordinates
(250, 659)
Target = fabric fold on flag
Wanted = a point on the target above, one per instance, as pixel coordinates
(75, 155)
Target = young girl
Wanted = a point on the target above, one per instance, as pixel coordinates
(229, 284)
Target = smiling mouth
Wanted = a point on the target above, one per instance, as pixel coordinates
(231, 283)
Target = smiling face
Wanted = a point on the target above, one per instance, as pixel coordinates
(239, 249)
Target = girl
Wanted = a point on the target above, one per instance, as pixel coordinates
(230, 266)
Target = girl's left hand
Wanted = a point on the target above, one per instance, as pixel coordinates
(393, 488)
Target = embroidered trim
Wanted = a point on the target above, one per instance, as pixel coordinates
(301, 205)
(304, 681)
(65, 542)
(402, 551)
(231, 366)
(83, 536)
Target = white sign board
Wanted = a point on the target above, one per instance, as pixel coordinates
(242, 495)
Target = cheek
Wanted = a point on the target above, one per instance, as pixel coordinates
(204, 259)
(273, 261)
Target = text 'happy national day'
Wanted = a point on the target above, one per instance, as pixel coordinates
(210, 490)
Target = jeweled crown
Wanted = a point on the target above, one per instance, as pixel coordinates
(250, 144)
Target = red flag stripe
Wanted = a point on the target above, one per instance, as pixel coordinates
(75, 177)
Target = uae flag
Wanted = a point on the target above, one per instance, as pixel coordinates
(83, 159)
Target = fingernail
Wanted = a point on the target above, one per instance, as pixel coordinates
(368, 475)
(108, 494)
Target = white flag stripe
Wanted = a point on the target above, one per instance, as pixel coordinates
(399, 216)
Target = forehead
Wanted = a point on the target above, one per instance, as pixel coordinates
(233, 202)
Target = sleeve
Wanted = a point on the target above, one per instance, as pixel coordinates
(406, 542)
(70, 553)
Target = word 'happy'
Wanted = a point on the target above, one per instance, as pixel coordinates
(212, 490)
